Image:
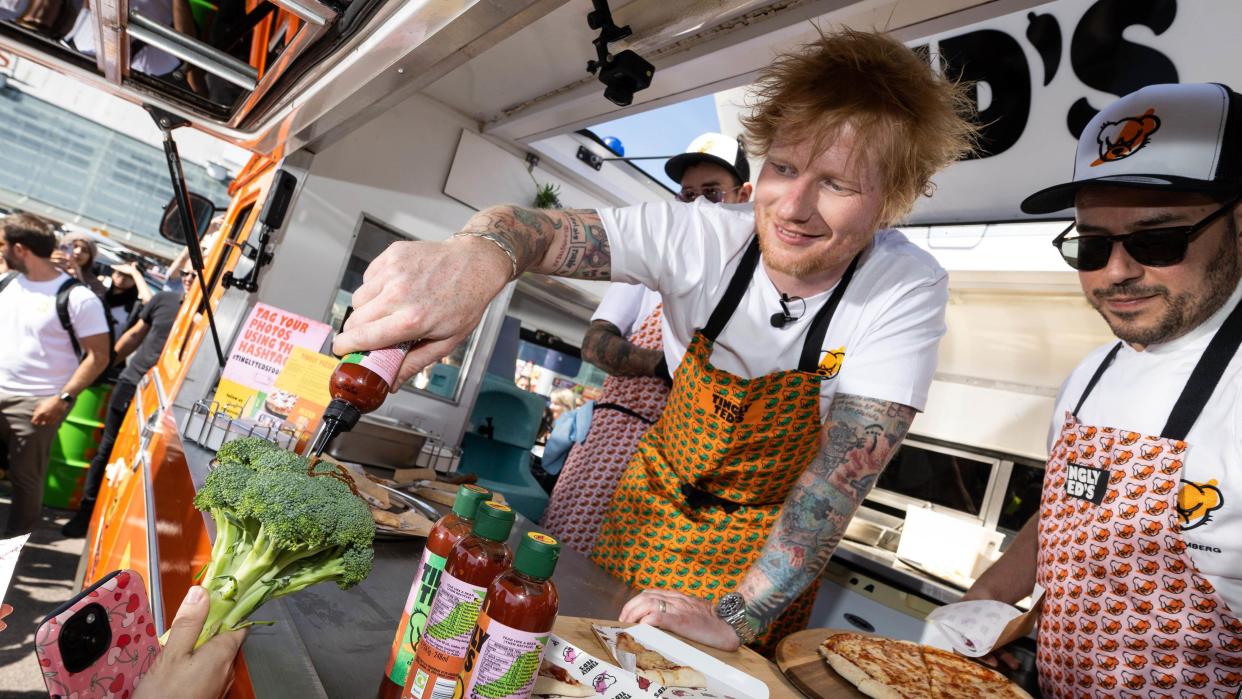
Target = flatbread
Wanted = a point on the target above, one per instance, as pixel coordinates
(955, 676)
(657, 668)
(879, 667)
(884, 668)
(554, 681)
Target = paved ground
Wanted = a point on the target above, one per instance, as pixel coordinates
(44, 579)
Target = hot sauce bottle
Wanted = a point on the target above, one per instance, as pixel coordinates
(448, 530)
(513, 627)
(359, 384)
(472, 566)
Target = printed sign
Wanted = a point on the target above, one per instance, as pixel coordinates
(275, 374)
(1040, 74)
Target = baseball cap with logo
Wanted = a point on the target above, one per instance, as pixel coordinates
(711, 148)
(1181, 137)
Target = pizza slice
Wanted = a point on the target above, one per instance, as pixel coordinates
(879, 667)
(555, 681)
(955, 676)
(657, 668)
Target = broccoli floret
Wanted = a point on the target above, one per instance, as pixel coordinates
(280, 460)
(279, 530)
(245, 451)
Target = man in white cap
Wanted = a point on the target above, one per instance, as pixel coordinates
(625, 340)
(1136, 542)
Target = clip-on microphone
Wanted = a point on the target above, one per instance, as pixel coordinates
(784, 317)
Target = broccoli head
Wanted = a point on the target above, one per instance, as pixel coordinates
(245, 451)
(279, 530)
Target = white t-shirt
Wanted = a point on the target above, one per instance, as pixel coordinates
(38, 358)
(148, 59)
(1137, 393)
(889, 322)
(626, 305)
(12, 9)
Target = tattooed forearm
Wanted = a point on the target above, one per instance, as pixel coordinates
(858, 439)
(606, 348)
(565, 243)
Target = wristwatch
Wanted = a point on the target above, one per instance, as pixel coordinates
(67, 397)
(731, 609)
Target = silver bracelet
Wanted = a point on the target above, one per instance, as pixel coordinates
(498, 242)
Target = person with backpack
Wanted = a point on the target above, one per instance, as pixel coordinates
(57, 343)
(144, 340)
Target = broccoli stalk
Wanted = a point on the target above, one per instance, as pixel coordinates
(278, 531)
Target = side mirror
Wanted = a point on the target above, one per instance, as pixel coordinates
(201, 211)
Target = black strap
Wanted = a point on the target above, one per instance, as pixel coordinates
(1202, 382)
(1095, 378)
(1205, 377)
(734, 292)
(66, 320)
(814, 344)
(4, 281)
(624, 411)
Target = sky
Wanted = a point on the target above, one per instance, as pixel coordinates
(664, 131)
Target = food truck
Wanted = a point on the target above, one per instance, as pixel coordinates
(374, 121)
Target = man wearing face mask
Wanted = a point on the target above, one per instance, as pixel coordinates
(805, 332)
(625, 340)
(1136, 543)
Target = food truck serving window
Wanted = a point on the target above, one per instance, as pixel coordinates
(947, 478)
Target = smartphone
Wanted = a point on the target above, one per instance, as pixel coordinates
(100, 643)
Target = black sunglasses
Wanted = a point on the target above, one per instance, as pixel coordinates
(1154, 247)
(713, 194)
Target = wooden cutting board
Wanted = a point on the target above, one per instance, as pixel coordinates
(798, 657)
(577, 630)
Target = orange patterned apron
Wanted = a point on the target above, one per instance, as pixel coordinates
(698, 500)
(591, 472)
(1126, 612)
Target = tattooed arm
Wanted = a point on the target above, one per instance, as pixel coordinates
(605, 347)
(858, 439)
(563, 243)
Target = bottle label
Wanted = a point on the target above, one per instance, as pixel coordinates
(501, 662)
(385, 362)
(414, 615)
(442, 647)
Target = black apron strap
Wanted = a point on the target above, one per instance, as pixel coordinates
(734, 292)
(1205, 377)
(1095, 378)
(814, 344)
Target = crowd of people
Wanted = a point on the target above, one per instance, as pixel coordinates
(73, 324)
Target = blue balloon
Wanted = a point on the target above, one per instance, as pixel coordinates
(614, 144)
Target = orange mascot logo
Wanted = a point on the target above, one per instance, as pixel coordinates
(1123, 138)
(1196, 502)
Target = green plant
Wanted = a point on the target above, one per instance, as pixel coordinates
(548, 196)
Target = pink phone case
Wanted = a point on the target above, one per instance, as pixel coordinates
(132, 651)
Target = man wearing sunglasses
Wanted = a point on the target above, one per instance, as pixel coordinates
(625, 340)
(1137, 540)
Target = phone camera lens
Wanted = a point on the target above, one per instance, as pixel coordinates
(90, 618)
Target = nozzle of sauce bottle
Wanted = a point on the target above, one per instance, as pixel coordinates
(359, 384)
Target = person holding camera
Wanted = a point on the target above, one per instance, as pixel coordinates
(145, 340)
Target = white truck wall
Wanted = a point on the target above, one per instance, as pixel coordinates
(1012, 340)
(393, 170)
